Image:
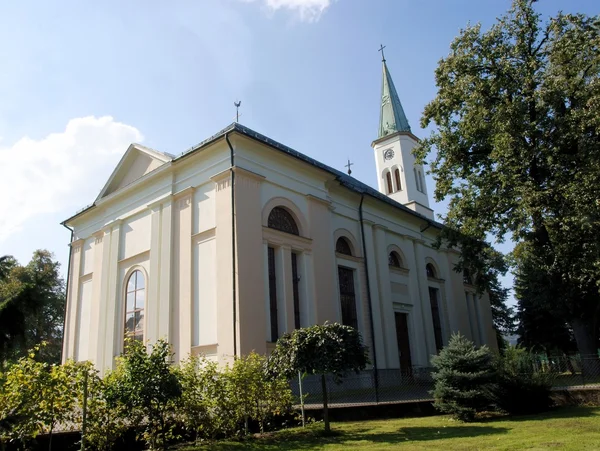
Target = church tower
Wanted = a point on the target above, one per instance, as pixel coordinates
(398, 176)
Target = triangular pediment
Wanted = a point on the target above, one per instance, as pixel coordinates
(135, 163)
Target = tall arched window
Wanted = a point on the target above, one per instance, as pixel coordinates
(281, 219)
(422, 182)
(394, 260)
(397, 177)
(342, 246)
(417, 181)
(430, 270)
(134, 309)
(388, 179)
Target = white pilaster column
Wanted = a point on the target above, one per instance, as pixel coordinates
(153, 283)
(114, 305)
(183, 268)
(308, 317)
(71, 332)
(164, 300)
(425, 306)
(373, 275)
(385, 296)
(449, 304)
(287, 293)
(96, 310)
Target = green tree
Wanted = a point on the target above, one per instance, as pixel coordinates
(32, 301)
(540, 329)
(328, 349)
(464, 377)
(517, 141)
(148, 387)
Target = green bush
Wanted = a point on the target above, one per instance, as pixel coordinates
(522, 388)
(464, 378)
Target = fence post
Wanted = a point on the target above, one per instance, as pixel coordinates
(301, 398)
(84, 409)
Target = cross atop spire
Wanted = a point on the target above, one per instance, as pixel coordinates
(392, 118)
(382, 54)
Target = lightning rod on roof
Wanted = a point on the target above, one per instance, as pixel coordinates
(237, 110)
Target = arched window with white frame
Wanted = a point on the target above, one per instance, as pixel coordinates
(135, 301)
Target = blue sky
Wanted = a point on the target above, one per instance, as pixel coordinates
(81, 80)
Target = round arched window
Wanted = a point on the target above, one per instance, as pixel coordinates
(342, 246)
(430, 270)
(134, 307)
(394, 260)
(281, 219)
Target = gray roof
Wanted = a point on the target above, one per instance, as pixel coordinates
(344, 179)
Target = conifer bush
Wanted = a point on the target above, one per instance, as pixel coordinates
(522, 388)
(465, 379)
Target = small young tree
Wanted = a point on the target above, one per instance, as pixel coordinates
(257, 396)
(464, 378)
(328, 349)
(522, 388)
(148, 386)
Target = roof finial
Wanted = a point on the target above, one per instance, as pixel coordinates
(349, 165)
(382, 55)
(237, 110)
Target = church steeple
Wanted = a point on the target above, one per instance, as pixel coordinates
(392, 118)
(399, 176)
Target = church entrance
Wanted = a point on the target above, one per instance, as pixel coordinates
(403, 343)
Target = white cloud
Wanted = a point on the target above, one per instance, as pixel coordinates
(63, 171)
(309, 10)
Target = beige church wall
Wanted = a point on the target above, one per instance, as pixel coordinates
(142, 164)
(87, 257)
(135, 235)
(204, 291)
(84, 310)
(203, 216)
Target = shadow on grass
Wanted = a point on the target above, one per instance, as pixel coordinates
(554, 413)
(311, 438)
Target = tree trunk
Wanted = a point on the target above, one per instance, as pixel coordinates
(586, 336)
(325, 408)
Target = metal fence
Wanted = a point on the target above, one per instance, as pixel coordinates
(395, 386)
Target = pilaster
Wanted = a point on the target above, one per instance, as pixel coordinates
(113, 306)
(70, 340)
(424, 304)
(373, 275)
(96, 310)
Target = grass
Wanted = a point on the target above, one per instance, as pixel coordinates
(574, 428)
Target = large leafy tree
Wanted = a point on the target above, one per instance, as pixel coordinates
(32, 301)
(328, 349)
(518, 149)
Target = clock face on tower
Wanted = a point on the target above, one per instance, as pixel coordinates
(388, 154)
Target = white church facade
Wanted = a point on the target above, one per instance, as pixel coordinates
(240, 239)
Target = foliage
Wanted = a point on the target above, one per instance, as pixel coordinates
(517, 144)
(540, 329)
(36, 396)
(207, 407)
(106, 419)
(464, 378)
(148, 387)
(31, 307)
(328, 349)
(257, 396)
(522, 387)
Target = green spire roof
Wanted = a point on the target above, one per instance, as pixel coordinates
(392, 118)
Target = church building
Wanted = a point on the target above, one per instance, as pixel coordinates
(240, 239)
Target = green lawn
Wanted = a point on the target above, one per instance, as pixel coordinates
(574, 428)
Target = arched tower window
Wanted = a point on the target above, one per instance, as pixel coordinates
(134, 309)
(394, 260)
(281, 219)
(397, 177)
(422, 182)
(417, 181)
(430, 270)
(388, 179)
(342, 246)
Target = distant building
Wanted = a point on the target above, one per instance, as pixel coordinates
(240, 239)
